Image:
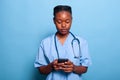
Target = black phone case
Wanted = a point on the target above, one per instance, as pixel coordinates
(62, 60)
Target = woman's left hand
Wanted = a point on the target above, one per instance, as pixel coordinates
(68, 66)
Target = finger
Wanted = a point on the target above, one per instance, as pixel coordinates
(68, 63)
(68, 66)
(60, 64)
(58, 68)
(67, 69)
(55, 62)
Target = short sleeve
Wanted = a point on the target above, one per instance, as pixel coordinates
(85, 59)
(40, 58)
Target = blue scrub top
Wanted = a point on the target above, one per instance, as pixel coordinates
(47, 54)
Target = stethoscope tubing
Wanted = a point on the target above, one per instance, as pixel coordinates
(78, 41)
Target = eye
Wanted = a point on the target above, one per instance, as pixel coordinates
(59, 21)
(67, 21)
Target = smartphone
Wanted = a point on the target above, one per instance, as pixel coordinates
(62, 60)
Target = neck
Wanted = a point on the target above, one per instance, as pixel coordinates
(61, 36)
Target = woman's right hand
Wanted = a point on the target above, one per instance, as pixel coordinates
(57, 66)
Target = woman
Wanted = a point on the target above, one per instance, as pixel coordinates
(63, 56)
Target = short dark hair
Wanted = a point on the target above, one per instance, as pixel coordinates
(59, 8)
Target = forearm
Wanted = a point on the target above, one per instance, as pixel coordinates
(79, 69)
(46, 69)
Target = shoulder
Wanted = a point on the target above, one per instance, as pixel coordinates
(47, 40)
(81, 39)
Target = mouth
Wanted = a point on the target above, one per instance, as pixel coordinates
(63, 30)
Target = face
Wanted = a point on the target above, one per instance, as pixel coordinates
(63, 21)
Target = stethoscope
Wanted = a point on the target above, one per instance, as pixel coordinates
(72, 44)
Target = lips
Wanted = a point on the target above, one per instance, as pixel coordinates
(63, 30)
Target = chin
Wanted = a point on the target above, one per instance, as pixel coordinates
(64, 33)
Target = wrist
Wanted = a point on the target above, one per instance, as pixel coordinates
(74, 68)
(51, 66)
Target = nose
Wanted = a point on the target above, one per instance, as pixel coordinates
(63, 24)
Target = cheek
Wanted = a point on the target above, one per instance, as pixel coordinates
(68, 25)
(58, 26)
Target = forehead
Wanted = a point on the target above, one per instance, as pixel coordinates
(63, 14)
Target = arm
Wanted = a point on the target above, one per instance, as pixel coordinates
(79, 69)
(70, 67)
(46, 69)
(66, 67)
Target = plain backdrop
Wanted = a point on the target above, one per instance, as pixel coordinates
(24, 23)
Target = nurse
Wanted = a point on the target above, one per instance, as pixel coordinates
(62, 45)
